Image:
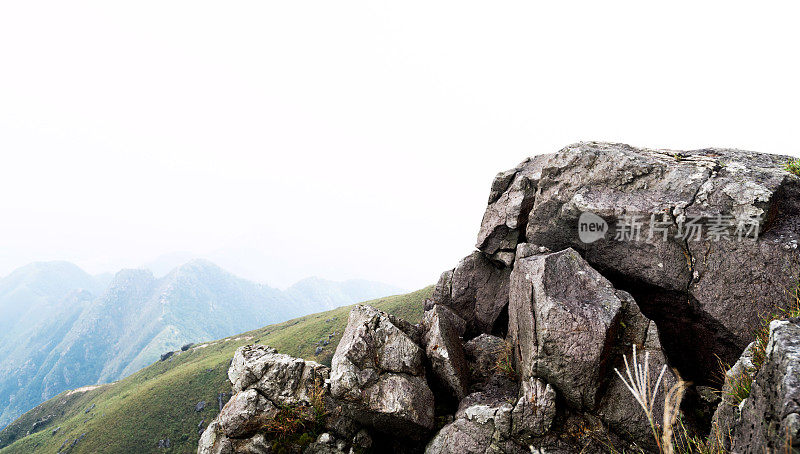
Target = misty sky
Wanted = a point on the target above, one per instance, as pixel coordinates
(347, 139)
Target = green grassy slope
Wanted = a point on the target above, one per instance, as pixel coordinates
(159, 401)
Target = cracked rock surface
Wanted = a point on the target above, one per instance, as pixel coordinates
(378, 374)
(563, 318)
(685, 280)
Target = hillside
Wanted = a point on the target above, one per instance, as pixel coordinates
(61, 328)
(39, 304)
(160, 401)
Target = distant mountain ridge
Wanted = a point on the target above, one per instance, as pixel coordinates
(61, 328)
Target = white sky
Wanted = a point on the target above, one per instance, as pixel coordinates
(348, 139)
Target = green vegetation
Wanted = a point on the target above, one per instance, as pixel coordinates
(743, 382)
(158, 402)
(505, 361)
(793, 166)
(740, 386)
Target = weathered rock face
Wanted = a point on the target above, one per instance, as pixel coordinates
(263, 380)
(510, 202)
(535, 410)
(688, 282)
(563, 320)
(476, 290)
(442, 331)
(245, 413)
(483, 354)
(770, 417)
(378, 374)
(482, 423)
(283, 379)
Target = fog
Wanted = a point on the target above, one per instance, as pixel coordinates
(347, 139)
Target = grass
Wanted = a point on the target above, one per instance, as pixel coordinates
(671, 436)
(793, 166)
(158, 402)
(740, 386)
(505, 361)
(743, 381)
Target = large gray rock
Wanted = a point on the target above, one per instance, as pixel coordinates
(283, 379)
(476, 290)
(442, 331)
(246, 413)
(563, 319)
(701, 282)
(263, 380)
(770, 417)
(510, 202)
(483, 355)
(378, 374)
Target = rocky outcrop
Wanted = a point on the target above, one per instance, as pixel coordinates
(263, 382)
(545, 196)
(518, 345)
(378, 374)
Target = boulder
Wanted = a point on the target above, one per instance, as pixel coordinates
(245, 413)
(263, 380)
(476, 290)
(378, 374)
(483, 355)
(442, 331)
(510, 201)
(563, 320)
(704, 304)
(283, 379)
(770, 416)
